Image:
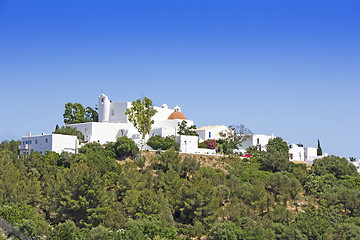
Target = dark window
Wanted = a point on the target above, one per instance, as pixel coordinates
(291, 156)
(209, 134)
(46, 140)
(35, 141)
(258, 141)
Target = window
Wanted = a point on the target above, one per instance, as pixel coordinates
(46, 140)
(112, 112)
(209, 134)
(258, 141)
(291, 156)
(290, 146)
(35, 141)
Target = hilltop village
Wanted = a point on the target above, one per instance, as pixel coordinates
(97, 184)
(113, 123)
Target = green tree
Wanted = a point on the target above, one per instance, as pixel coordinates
(337, 166)
(11, 146)
(319, 150)
(352, 159)
(92, 114)
(277, 155)
(125, 147)
(140, 114)
(68, 130)
(233, 137)
(163, 143)
(76, 113)
(184, 129)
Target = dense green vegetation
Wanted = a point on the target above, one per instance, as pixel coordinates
(94, 196)
(184, 129)
(163, 143)
(76, 113)
(68, 130)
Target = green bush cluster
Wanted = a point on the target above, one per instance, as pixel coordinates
(92, 196)
(163, 143)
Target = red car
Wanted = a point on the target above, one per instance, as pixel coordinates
(247, 155)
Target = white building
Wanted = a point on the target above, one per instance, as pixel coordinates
(114, 123)
(311, 154)
(299, 153)
(296, 152)
(211, 132)
(189, 144)
(256, 140)
(49, 142)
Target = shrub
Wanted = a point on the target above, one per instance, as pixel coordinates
(125, 147)
(202, 145)
(163, 143)
(68, 130)
(211, 143)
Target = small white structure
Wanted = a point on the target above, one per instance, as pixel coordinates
(189, 144)
(256, 140)
(296, 152)
(211, 132)
(49, 142)
(299, 153)
(311, 154)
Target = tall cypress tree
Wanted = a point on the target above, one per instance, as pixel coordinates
(319, 150)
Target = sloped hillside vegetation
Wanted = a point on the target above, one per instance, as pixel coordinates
(171, 196)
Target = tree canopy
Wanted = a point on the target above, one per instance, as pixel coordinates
(184, 129)
(76, 113)
(167, 195)
(68, 130)
(232, 138)
(140, 114)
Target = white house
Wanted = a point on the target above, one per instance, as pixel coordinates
(311, 154)
(299, 153)
(259, 140)
(296, 152)
(189, 144)
(49, 142)
(211, 132)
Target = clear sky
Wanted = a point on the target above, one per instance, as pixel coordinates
(291, 68)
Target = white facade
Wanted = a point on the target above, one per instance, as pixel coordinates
(310, 153)
(299, 153)
(189, 144)
(211, 132)
(49, 142)
(296, 152)
(113, 122)
(114, 112)
(259, 140)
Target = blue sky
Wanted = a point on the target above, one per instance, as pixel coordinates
(285, 67)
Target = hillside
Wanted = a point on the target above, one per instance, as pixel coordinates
(167, 195)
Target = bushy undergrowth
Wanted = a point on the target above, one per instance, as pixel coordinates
(92, 196)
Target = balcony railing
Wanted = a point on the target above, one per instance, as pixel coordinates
(24, 147)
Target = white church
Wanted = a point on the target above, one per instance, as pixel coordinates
(114, 123)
